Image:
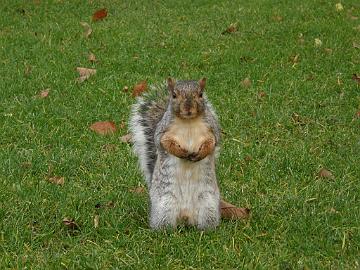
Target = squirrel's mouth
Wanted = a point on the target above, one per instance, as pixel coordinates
(187, 115)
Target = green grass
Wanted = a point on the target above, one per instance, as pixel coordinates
(299, 221)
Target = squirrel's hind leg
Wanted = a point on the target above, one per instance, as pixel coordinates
(208, 210)
(164, 212)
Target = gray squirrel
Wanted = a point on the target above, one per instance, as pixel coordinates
(176, 137)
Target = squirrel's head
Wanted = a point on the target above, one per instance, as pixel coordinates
(186, 97)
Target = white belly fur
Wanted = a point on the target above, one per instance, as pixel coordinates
(189, 184)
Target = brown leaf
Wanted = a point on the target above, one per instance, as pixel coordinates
(126, 138)
(230, 211)
(357, 114)
(96, 221)
(139, 88)
(231, 29)
(85, 73)
(103, 127)
(356, 78)
(43, 94)
(248, 158)
(356, 45)
(70, 223)
(277, 18)
(57, 180)
(99, 15)
(246, 83)
(261, 94)
(324, 173)
(92, 58)
(328, 50)
(137, 190)
(87, 29)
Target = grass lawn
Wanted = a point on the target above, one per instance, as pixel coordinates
(299, 113)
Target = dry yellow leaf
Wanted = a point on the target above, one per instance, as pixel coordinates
(57, 180)
(87, 29)
(85, 73)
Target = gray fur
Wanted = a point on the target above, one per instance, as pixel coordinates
(169, 195)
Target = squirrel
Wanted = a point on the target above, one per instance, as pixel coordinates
(176, 136)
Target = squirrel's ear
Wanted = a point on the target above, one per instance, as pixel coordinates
(171, 84)
(202, 83)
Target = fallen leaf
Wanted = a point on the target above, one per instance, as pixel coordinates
(125, 89)
(137, 190)
(96, 221)
(248, 158)
(352, 17)
(57, 180)
(356, 78)
(339, 7)
(87, 29)
(324, 173)
(99, 15)
(318, 42)
(261, 94)
(85, 73)
(139, 88)
(246, 83)
(277, 18)
(26, 164)
(229, 211)
(356, 45)
(103, 127)
(126, 138)
(328, 50)
(44, 93)
(231, 29)
(92, 57)
(70, 223)
(357, 114)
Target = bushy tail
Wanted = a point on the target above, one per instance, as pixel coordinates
(146, 113)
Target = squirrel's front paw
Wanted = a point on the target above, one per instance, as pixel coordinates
(205, 149)
(179, 151)
(194, 157)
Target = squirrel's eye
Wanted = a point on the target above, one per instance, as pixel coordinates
(201, 95)
(174, 95)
